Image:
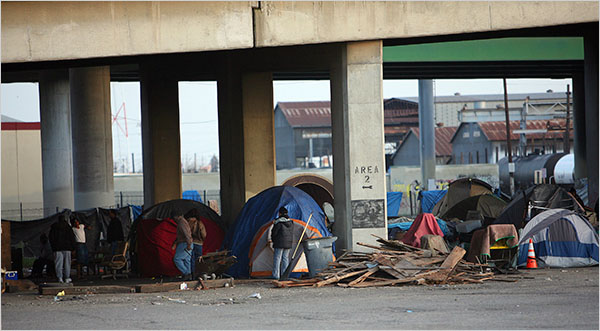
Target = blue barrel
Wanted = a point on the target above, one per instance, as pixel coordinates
(319, 253)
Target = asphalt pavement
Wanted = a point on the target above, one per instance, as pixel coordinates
(554, 299)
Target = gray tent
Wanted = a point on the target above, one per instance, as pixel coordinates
(561, 238)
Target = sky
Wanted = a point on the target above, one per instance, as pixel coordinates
(198, 107)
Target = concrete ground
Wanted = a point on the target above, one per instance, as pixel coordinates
(554, 299)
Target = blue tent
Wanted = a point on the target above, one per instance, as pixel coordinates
(430, 198)
(191, 195)
(262, 209)
(393, 203)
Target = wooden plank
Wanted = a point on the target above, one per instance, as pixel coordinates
(336, 279)
(454, 257)
(5, 252)
(364, 276)
(76, 290)
(172, 286)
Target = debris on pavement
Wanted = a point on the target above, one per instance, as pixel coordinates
(255, 296)
(396, 263)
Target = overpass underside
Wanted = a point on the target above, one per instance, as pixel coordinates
(75, 98)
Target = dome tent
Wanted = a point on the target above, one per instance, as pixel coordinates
(561, 238)
(248, 239)
(154, 232)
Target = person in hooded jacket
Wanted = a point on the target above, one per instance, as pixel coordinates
(282, 237)
(62, 241)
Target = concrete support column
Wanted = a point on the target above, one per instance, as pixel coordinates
(246, 136)
(161, 142)
(57, 153)
(579, 141)
(358, 144)
(426, 132)
(590, 48)
(92, 137)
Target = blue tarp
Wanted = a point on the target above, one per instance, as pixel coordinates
(263, 208)
(393, 203)
(191, 195)
(404, 226)
(135, 211)
(430, 198)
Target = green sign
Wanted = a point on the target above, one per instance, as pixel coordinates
(502, 49)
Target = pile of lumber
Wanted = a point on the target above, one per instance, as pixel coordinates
(395, 263)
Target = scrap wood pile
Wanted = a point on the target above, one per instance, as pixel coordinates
(395, 263)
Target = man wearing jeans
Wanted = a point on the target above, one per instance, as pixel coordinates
(281, 235)
(183, 247)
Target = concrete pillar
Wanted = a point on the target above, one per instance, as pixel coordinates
(57, 153)
(358, 144)
(259, 132)
(426, 132)
(579, 141)
(590, 48)
(92, 137)
(246, 136)
(161, 144)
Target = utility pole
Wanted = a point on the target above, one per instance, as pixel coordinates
(511, 165)
(133, 162)
(567, 148)
(523, 126)
(427, 134)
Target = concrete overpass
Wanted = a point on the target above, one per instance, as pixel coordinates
(73, 48)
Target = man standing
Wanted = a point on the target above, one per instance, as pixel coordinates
(80, 244)
(198, 235)
(282, 237)
(114, 233)
(183, 247)
(46, 259)
(62, 241)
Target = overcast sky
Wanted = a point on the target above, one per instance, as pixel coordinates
(198, 106)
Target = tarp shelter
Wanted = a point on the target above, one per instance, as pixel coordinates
(430, 198)
(424, 224)
(155, 230)
(489, 205)
(29, 232)
(393, 203)
(561, 238)
(247, 239)
(191, 195)
(459, 190)
(540, 198)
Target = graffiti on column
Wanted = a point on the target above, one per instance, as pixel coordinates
(368, 214)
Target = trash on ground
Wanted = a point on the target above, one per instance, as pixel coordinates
(255, 296)
(396, 263)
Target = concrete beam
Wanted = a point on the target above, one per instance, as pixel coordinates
(293, 23)
(358, 144)
(92, 137)
(161, 145)
(48, 31)
(57, 152)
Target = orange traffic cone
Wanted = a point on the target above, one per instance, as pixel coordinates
(531, 262)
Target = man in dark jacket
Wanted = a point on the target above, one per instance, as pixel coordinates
(62, 241)
(282, 237)
(114, 233)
